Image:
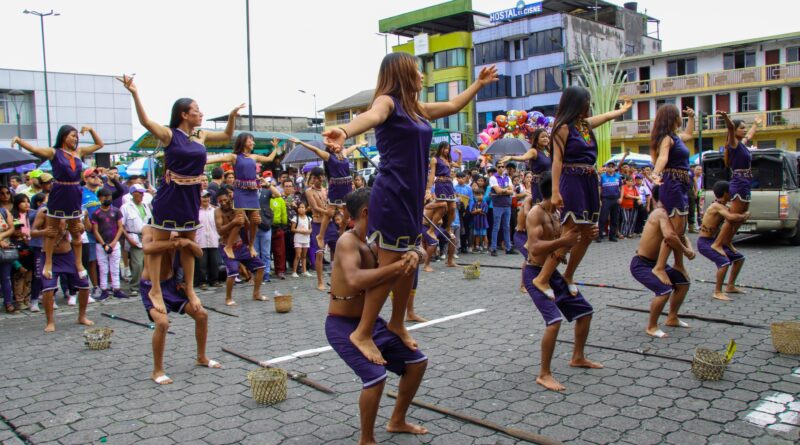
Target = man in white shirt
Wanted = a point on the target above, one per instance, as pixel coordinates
(135, 215)
(207, 238)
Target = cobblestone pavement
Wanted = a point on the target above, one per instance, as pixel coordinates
(56, 391)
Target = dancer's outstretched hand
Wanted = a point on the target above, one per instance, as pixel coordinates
(334, 138)
(127, 81)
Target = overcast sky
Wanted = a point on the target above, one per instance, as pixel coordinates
(196, 48)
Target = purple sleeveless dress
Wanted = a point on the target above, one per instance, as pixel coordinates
(579, 182)
(537, 166)
(443, 185)
(177, 207)
(674, 191)
(395, 205)
(245, 186)
(741, 175)
(481, 221)
(65, 197)
(340, 182)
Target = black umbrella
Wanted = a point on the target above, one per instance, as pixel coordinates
(508, 146)
(301, 154)
(10, 158)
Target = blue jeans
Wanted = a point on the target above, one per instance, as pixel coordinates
(263, 245)
(502, 215)
(5, 283)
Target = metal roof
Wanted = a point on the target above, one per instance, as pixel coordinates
(452, 16)
(361, 99)
(224, 118)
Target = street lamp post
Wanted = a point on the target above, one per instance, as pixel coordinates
(385, 41)
(16, 96)
(44, 58)
(249, 86)
(314, 95)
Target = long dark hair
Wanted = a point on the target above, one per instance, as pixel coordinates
(241, 140)
(574, 104)
(535, 140)
(663, 126)
(397, 77)
(736, 123)
(180, 106)
(63, 132)
(440, 149)
(18, 198)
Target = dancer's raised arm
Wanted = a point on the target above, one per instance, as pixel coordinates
(162, 133)
(436, 110)
(380, 110)
(42, 152)
(457, 162)
(596, 121)
(227, 135)
(97, 145)
(559, 143)
(275, 152)
(219, 159)
(349, 150)
(687, 132)
(322, 154)
(752, 132)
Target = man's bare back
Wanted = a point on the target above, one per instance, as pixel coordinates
(349, 245)
(167, 258)
(550, 230)
(652, 236)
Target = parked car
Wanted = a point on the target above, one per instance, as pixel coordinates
(775, 200)
(366, 172)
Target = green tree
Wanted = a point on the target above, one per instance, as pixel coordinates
(604, 83)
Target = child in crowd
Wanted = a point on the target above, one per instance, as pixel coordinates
(479, 222)
(301, 227)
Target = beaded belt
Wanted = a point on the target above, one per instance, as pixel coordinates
(745, 173)
(579, 169)
(344, 180)
(443, 179)
(245, 184)
(678, 174)
(179, 179)
(536, 177)
(66, 182)
(344, 298)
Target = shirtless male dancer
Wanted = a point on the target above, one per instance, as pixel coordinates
(355, 269)
(659, 229)
(544, 230)
(172, 299)
(227, 219)
(716, 214)
(317, 197)
(63, 268)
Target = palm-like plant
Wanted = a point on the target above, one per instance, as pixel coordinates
(604, 83)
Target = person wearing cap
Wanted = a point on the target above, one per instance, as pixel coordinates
(501, 192)
(135, 215)
(39, 182)
(610, 187)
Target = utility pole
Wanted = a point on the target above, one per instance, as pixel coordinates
(249, 82)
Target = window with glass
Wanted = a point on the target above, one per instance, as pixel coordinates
(544, 42)
(491, 52)
(543, 80)
(662, 102)
(630, 75)
(450, 58)
(793, 54)
(488, 116)
(519, 91)
(739, 59)
(8, 111)
(682, 67)
(456, 122)
(501, 88)
(748, 100)
(343, 117)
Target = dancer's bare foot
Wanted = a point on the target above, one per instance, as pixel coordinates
(228, 251)
(82, 273)
(160, 378)
(320, 241)
(321, 287)
(550, 383)
(47, 272)
(85, 321)
(51, 327)
(205, 362)
(405, 337)
(253, 252)
(545, 289)
(260, 298)
(732, 249)
(656, 332)
(585, 363)
(682, 270)
(717, 248)
(411, 316)
(662, 276)
(721, 296)
(522, 288)
(368, 348)
(230, 303)
(407, 428)
(733, 289)
(451, 264)
(675, 323)
(427, 268)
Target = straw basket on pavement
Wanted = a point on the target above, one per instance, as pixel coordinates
(472, 271)
(786, 337)
(708, 364)
(283, 303)
(268, 385)
(98, 338)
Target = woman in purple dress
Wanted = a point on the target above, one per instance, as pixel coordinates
(738, 159)
(176, 207)
(340, 181)
(245, 186)
(538, 158)
(403, 138)
(671, 159)
(441, 180)
(575, 182)
(65, 198)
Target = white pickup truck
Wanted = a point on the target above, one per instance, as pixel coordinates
(775, 200)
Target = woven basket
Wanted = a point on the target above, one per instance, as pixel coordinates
(708, 364)
(283, 303)
(98, 338)
(473, 271)
(786, 337)
(268, 385)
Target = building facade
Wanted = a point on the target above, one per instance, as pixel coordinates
(346, 110)
(282, 124)
(748, 79)
(532, 46)
(75, 99)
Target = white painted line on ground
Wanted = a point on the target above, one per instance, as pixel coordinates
(315, 351)
(776, 412)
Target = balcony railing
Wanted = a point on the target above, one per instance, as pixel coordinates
(769, 74)
(329, 123)
(773, 118)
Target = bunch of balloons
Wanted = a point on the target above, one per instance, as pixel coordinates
(514, 124)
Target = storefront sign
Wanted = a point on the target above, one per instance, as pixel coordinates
(522, 10)
(421, 44)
